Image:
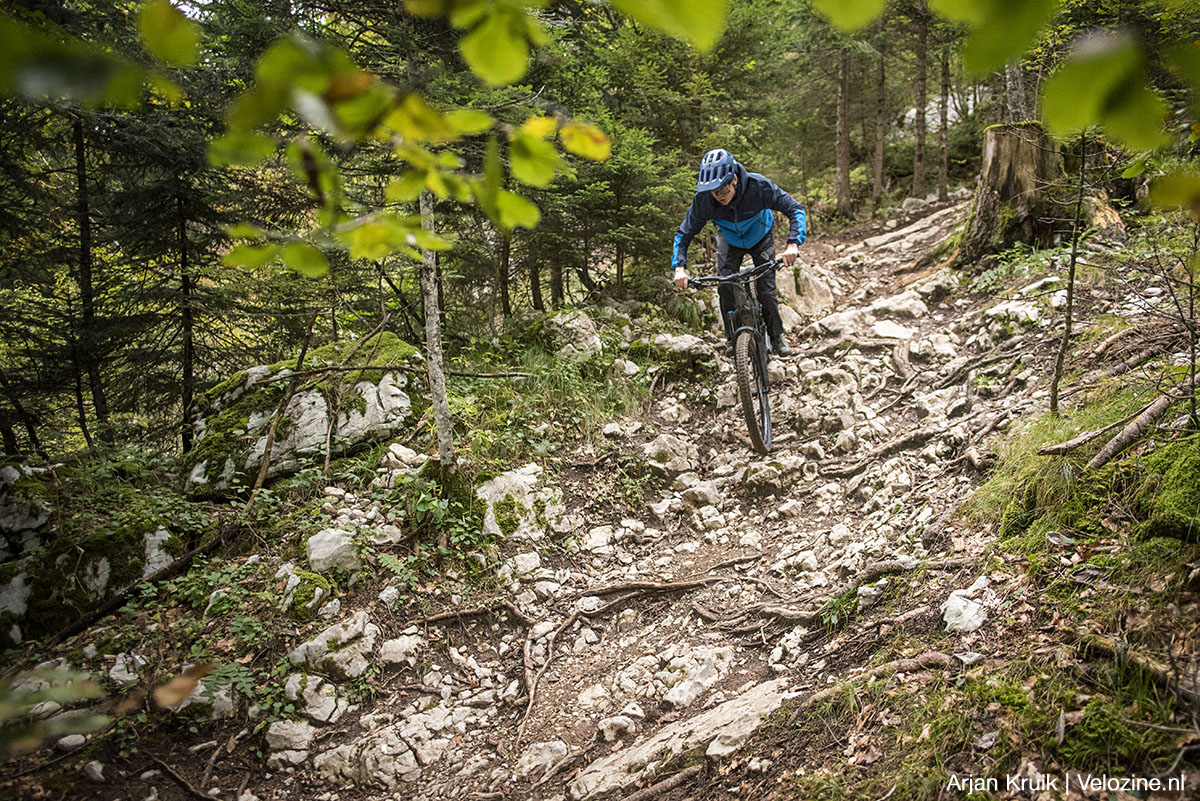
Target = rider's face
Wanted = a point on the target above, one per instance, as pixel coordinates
(725, 193)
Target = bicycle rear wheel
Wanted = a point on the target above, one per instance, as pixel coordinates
(750, 367)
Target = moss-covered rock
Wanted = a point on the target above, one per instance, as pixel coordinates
(234, 418)
(1170, 494)
(306, 592)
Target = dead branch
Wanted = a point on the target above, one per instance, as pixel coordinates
(184, 783)
(636, 589)
(1100, 349)
(1152, 667)
(1088, 436)
(665, 785)
(117, 601)
(928, 659)
(1133, 431)
(1136, 360)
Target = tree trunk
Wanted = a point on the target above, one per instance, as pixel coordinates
(535, 285)
(944, 128)
(189, 332)
(8, 434)
(918, 188)
(1015, 94)
(843, 134)
(433, 343)
(1019, 162)
(1069, 311)
(80, 408)
(87, 334)
(880, 116)
(502, 276)
(26, 419)
(556, 285)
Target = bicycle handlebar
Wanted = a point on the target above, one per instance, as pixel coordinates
(752, 272)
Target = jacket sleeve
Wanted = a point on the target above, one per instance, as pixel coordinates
(797, 219)
(692, 224)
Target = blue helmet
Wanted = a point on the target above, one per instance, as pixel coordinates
(717, 168)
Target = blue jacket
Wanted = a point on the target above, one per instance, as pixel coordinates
(746, 220)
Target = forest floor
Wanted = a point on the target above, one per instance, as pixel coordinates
(830, 621)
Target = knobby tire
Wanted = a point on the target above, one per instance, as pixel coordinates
(752, 389)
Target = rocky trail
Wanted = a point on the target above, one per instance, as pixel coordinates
(642, 660)
(679, 630)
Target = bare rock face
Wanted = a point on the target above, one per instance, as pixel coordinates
(716, 733)
(341, 649)
(235, 417)
(572, 335)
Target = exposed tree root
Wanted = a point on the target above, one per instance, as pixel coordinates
(486, 609)
(912, 439)
(975, 364)
(634, 590)
(655, 790)
(805, 610)
(566, 761)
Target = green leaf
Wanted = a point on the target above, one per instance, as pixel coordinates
(1001, 30)
(40, 68)
(240, 149)
(516, 211)
(428, 240)
(850, 15)
(465, 13)
(1134, 170)
(413, 118)
(377, 238)
(1103, 83)
(496, 50)
(168, 34)
(699, 21)
(469, 122)
(250, 255)
(305, 259)
(585, 139)
(407, 188)
(1175, 190)
(244, 231)
(534, 161)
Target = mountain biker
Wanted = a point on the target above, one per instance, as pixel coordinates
(741, 204)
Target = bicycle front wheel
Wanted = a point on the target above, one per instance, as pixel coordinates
(750, 366)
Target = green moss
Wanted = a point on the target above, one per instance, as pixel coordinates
(1170, 493)
(508, 519)
(298, 609)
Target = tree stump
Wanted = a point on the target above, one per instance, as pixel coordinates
(1020, 163)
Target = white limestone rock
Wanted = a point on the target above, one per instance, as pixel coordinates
(342, 649)
(332, 547)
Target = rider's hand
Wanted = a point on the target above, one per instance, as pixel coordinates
(789, 255)
(681, 277)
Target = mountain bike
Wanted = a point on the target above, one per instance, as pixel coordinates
(749, 348)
